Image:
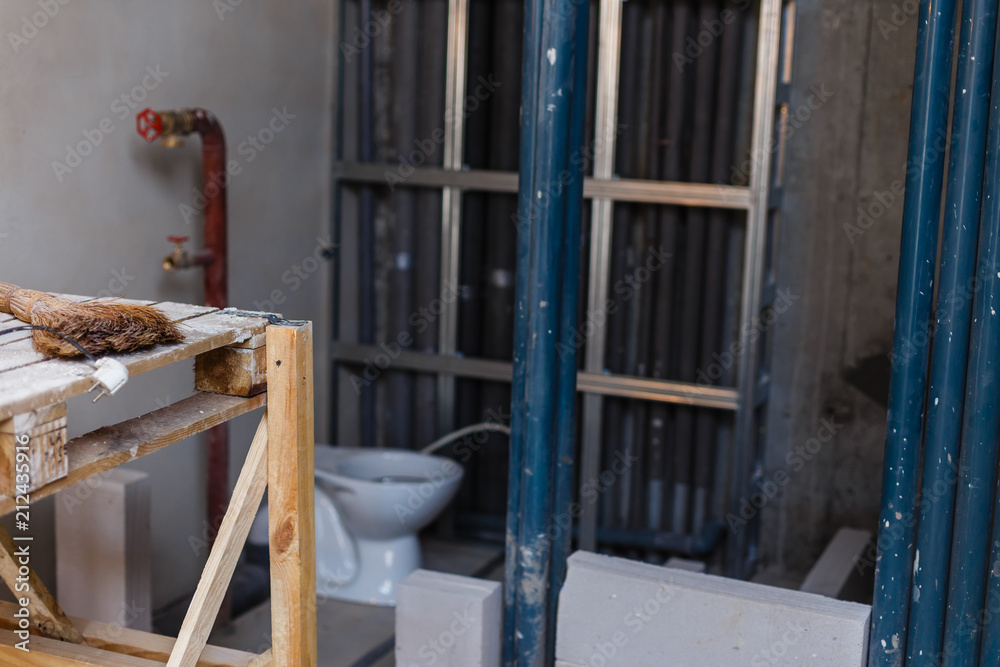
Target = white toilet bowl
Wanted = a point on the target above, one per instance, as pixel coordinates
(370, 503)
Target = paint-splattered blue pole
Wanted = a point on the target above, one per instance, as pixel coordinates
(550, 124)
(921, 211)
(569, 321)
(946, 394)
(970, 562)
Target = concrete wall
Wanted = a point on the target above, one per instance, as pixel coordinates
(830, 349)
(97, 223)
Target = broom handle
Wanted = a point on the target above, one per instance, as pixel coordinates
(19, 302)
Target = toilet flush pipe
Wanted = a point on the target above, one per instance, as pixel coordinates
(461, 433)
(168, 125)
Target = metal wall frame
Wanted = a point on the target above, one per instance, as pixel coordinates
(604, 190)
(451, 216)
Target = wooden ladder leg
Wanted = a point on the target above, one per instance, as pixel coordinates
(291, 515)
(226, 551)
(43, 610)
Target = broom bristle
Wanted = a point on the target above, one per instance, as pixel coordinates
(102, 328)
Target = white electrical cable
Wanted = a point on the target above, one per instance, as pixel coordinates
(462, 432)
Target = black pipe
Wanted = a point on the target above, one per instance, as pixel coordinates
(612, 513)
(366, 227)
(430, 102)
(661, 287)
(645, 233)
(501, 240)
(718, 221)
(405, 73)
(666, 363)
(469, 401)
(739, 545)
(703, 71)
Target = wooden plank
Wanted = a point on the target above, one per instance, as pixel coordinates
(111, 446)
(25, 354)
(231, 370)
(103, 550)
(291, 519)
(45, 652)
(43, 454)
(18, 350)
(137, 644)
(226, 551)
(178, 312)
(55, 380)
(43, 610)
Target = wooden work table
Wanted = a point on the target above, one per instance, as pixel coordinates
(242, 363)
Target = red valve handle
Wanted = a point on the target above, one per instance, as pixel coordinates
(149, 124)
(178, 239)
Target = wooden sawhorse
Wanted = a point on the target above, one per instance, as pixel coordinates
(243, 363)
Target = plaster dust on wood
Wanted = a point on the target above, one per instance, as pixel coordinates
(53, 380)
(111, 446)
(98, 326)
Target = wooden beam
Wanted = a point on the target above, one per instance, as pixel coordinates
(44, 449)
(115, 638)
(111, 446)
(226, 551)
(232, 370)
(45, 652)
(43, 610)
(291, 516)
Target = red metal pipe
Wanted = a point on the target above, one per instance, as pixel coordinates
(181, 122)
(213, 184)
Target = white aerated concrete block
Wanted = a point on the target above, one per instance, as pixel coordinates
(836, 573)
(447, 621)
(685, 564)
(103, 552)
(614, 611)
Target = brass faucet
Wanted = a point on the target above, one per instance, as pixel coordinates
(180, 258)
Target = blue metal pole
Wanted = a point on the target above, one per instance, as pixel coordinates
(547, 129)
(951, 336)
(970, 566)
(566, 419)
(986, 355)
(529, 86)
(547, 233)
(921, 211)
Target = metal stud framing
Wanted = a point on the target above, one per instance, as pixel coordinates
(451, 216)
(604, 190)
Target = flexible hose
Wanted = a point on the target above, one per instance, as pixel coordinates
(462, 432)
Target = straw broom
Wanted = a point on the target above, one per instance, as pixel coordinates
(99, 327)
